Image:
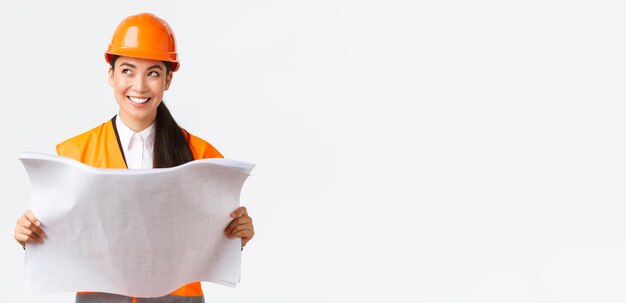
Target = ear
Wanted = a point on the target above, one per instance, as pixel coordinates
(110, 77)
(168, 81)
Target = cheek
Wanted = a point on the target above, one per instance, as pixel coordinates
(157, 88)
(119, 85)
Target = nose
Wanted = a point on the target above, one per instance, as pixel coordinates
(140, 84)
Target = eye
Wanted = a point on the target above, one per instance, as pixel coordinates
(127, 71)
(153, 74)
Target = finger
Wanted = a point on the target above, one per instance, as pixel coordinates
(245, 240)
(246, 233)
(28, 235)
(240, 220)
(238, 229)
(22, 239)
(236, 222)
(27, 224)
(31, 222)
(241, 211)
(31, 217)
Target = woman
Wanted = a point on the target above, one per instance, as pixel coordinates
(142, 57)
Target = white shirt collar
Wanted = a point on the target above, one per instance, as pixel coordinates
(126, 134)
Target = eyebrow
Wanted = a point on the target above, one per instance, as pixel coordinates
(133, 66)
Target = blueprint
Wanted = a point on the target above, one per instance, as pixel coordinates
(141, 233)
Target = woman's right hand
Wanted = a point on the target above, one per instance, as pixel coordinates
(28, 229)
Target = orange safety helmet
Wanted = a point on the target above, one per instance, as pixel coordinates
(144, 36)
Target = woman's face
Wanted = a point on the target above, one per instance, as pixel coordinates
(138, 85)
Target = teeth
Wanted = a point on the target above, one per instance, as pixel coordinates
(138, 100)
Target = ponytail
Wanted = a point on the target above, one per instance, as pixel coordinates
(171, 147)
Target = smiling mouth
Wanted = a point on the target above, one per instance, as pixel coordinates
(138, 100)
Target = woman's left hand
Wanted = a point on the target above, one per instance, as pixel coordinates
(241, 226)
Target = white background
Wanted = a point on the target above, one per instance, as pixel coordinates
(407, 151)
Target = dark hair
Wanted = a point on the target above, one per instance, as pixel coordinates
(171, 146)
